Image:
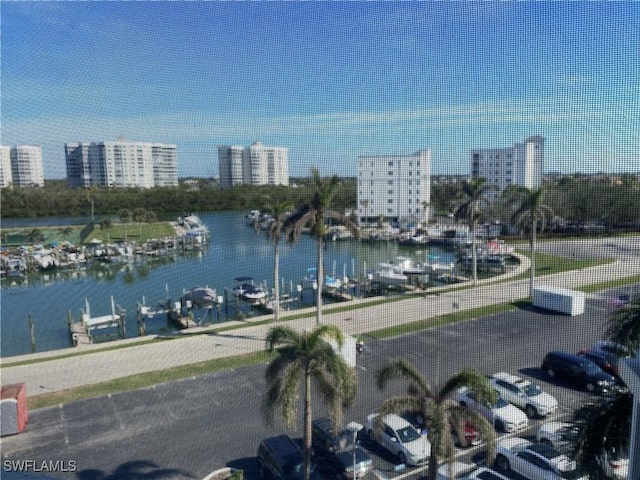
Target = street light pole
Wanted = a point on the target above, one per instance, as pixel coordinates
(354, 427)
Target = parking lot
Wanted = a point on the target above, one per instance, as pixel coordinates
(188, 428)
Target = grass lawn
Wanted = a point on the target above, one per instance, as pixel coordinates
(138, 232)
(78, 234)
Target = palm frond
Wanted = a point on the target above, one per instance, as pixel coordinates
(474, 381)
(327, 332)
(281, 335)
(402, 369)
(623, 327)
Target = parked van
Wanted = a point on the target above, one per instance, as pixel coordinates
(578, 370)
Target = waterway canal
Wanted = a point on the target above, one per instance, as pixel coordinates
(234, 250)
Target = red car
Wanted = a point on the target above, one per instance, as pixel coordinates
(471, 436)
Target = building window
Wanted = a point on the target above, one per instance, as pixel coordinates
(389, 182)
(390, 192)
(389, 200)
(391, 164)
(390, 172)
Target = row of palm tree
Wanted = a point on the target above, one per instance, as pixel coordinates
(313, 215)
(309, 359)
(530, 213)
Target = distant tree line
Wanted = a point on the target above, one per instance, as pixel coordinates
(576, 205)
(202, 195)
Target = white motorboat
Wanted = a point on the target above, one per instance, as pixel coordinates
(252, 217)
(388, 275)
(248, 291)
(203, 297)
(331, 283)
(407, 266)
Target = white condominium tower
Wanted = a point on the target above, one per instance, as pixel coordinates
(396, 188)
(121, 164)
(21, 166)
(521, 165)
(254, 165)
(6, 178)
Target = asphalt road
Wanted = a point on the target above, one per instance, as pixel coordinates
(187, 428)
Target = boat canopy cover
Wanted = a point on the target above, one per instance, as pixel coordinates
(243, 279)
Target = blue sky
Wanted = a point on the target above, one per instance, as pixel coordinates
(328, 80)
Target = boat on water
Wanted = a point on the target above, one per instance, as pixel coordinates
(193, 228)
(339, 232)
(331, 282)
(413, 238)
(203, 297)
(407, 266)
(388, 275)
(248, 291)
(252, 217)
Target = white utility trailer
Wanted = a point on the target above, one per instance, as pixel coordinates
(559, 299)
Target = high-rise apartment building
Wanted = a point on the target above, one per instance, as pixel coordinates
(6, 178)
(394, 187)
(121, 164)
(21, 166)
(254, 165)
(521, 164)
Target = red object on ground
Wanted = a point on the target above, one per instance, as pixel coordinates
(13, 409)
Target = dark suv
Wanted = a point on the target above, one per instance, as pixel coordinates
(280, 457)
(579, 370)
(339, 449)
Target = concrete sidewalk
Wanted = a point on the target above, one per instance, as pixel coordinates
(100, 365)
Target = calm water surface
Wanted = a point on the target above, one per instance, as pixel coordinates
(234, 250)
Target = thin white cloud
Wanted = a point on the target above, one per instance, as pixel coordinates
(193, 126)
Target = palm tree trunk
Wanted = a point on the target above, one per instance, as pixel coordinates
(474, 254)
(276, 283)
(306, 440)
(320, 279)
(432, 472)
(532, 252)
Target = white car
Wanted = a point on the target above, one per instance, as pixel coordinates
(524, 394)
(560, 435)
(503, 416)
(467, 471)
(535, 461)
(400, 438)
